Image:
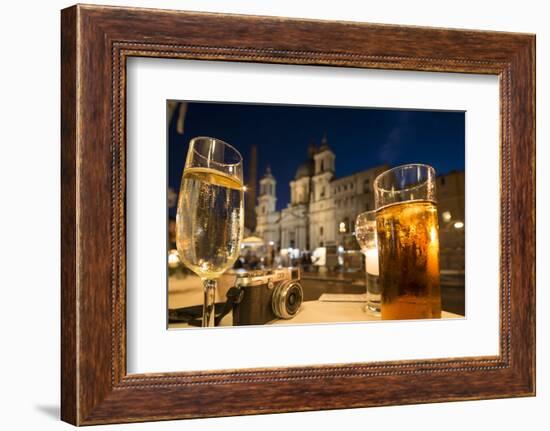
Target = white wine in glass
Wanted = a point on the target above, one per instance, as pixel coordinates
(210, 217)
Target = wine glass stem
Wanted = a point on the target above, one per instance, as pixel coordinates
(208, 313)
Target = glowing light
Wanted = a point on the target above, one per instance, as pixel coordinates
(459, 225)
(245, 188)
(371, 261)
(342, 227)
(173, 259)
(446, 216)
(271, 243)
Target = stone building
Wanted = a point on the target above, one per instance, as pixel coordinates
(267, 218)
(451, 211)
(319, 203)
(323, 208)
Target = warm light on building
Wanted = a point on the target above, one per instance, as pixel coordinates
(318, 203)
(321, 206)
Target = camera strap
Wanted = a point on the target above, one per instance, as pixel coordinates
(193, 315)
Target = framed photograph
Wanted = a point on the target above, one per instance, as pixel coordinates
(306, 251)
(323, 214)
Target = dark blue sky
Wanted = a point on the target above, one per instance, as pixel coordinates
(360, 137)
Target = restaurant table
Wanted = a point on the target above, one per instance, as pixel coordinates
(329, 308)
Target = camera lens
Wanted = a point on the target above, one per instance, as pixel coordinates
(287, 299)
(292, 299)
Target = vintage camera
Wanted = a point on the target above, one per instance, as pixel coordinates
(267, 295)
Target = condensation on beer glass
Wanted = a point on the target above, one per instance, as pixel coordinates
(365, 232)
(408, 242)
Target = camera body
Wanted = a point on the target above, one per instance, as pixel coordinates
(268, 295)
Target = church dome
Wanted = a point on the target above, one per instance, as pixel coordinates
(304, 170)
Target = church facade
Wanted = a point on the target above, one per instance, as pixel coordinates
(322, 208)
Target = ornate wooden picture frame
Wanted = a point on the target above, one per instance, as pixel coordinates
(96, 41)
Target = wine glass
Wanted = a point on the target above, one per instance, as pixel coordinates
(210, 215)
(365, 233)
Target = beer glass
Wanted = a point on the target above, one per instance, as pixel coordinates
(408, 242)
(365, 233)
(210, 214)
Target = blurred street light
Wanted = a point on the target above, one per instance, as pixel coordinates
(342, 227)
(173, 259)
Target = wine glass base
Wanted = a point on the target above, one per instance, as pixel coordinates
(372, 309)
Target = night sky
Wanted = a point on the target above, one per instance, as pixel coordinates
(360, 137)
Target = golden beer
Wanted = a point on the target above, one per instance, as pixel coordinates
(408, 249)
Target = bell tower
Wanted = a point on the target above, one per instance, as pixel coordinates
(324, 158)
(324, 170)
(267, 198)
